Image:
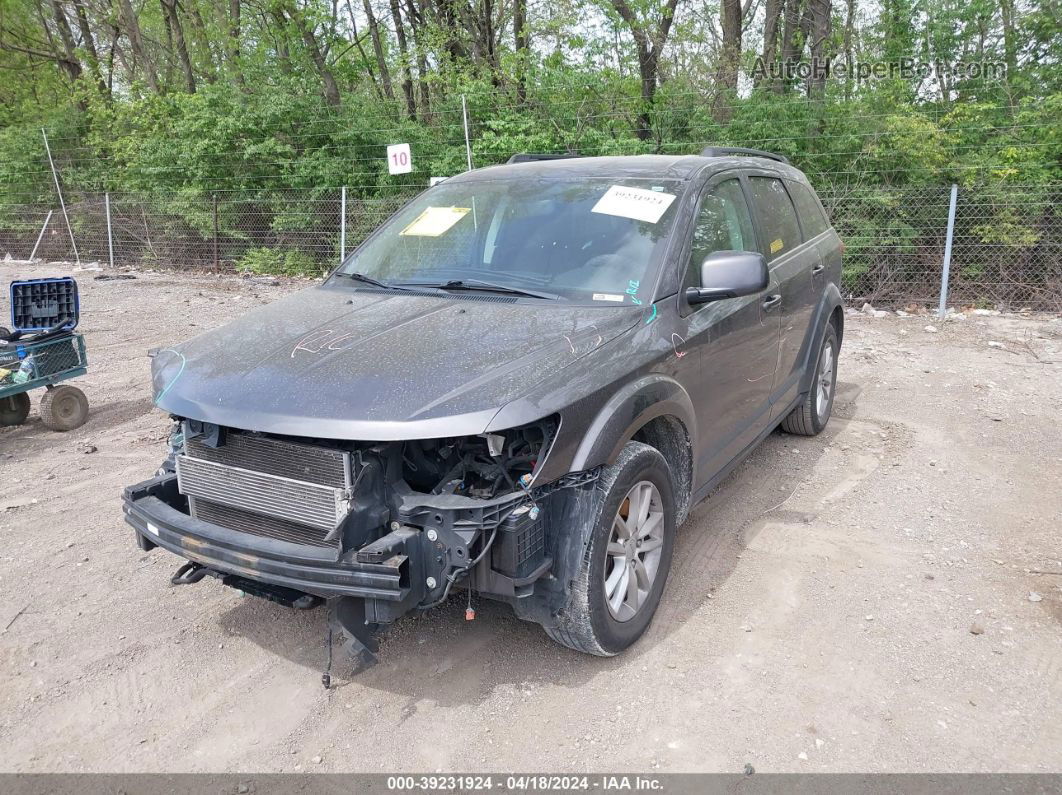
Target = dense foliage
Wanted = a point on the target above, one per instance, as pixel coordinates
(266, 100)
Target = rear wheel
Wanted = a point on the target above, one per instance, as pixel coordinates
(64, 408)
(628, 557)
(14, 409)
(811, 416)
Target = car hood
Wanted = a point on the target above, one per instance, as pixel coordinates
(334, 362)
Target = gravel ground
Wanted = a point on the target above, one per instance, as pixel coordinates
(885, 597)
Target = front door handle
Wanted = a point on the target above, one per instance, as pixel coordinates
(771, 302)
(818, 269)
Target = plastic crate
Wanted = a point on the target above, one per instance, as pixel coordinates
(42, 304)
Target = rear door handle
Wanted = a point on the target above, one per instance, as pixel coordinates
(818, 269)
(772, 301)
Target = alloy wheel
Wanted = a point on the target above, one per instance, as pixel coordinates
(635, 545)
(824, 383)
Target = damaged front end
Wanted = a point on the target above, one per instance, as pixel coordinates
(379, 528)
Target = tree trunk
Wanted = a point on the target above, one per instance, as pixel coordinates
(726, 73)
(416, 24)
(770, 40)
(136, 41)
(1010, 45)
(821, 18)
(202, 44)
(847, 45)
(68, 60)
(648, 45)
(329, 86)
(520, 42)
(233, 47)
(378, 52)
(88, 41)
(403, 50)
(169, 9)
(794, 15)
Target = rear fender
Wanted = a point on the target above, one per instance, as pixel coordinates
(828, 303)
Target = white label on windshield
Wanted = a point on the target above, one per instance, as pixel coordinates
(434, 221)
(636, 203)
(607, 297)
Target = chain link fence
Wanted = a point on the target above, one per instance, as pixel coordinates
(1006, 244)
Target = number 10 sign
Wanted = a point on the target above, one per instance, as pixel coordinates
(399, 160)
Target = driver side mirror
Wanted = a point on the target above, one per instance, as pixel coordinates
(729, 274)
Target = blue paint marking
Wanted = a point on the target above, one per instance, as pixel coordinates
(173, 380)
(632, 291)
(651, 317)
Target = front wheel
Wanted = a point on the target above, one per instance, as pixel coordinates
(628, 557)
(811, 416)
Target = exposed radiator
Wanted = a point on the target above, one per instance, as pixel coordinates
(258, 525)
(285, 490)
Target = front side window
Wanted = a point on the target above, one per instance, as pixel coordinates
(591, 240)
(723, 224)
(777, 216)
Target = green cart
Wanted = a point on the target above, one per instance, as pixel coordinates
(42, 357)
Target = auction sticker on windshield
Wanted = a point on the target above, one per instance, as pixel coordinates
(435, 221)
(636, 203)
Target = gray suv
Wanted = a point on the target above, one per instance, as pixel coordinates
(516, 387)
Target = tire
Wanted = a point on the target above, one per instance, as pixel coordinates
(588, 623)
(14, 409)
(64, 408)
(812, 415)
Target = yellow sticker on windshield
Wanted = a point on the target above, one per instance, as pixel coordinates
(435, 221)
(777, 246)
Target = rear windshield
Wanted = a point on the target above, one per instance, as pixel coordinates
(587, 240)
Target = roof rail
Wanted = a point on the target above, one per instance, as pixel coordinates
(721, 151)
(525, 157)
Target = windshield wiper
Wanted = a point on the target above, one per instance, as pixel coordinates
(479, 284)
(361, 277)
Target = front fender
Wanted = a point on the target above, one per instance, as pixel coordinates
(651, 396)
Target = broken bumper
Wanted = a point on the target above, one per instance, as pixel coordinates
(149, 509)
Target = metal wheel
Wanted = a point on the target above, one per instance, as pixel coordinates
(824, 383)
(632, 557)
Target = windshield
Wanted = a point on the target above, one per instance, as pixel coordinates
(580, 240)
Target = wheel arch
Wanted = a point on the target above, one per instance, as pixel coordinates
(830, 309)
(655, 410)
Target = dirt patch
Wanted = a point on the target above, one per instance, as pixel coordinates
(818, 617)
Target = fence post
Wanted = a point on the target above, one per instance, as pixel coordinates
(110, 236)
(464, 120)
(214, 204)
(62, 203)
(40, 237)
(945, 272)
(343, 225)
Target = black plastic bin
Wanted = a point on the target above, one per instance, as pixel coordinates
(43, 304)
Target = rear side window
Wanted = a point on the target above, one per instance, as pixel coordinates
(812, 218)
(777, 216)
